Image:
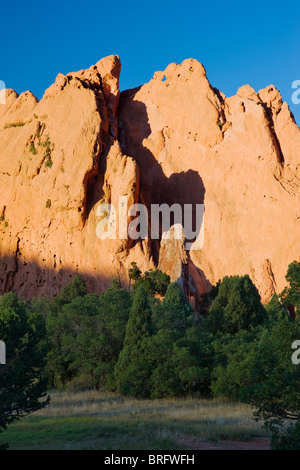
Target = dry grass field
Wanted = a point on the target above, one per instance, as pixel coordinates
(102, 420)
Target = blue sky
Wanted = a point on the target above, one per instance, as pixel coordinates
(237, 42)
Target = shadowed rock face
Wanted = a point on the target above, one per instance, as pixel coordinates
(174, 140)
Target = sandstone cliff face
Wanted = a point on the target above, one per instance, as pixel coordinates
(173, 140)
(238, 155)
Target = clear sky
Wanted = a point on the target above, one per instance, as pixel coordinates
(238, 42)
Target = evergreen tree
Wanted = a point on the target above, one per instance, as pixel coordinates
(133, 368)
(86, 337)
(174, 312)
(291, 294)
(237, 307)
(276, 309)
(154, 282)
(134, 272)
(233, 362)
(75, 288)
(22, 379)
(274, 385)
(139, 325)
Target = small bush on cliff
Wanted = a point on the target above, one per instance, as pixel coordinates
(32, 149)
(134, 272)
(14, 124)
(48, 162)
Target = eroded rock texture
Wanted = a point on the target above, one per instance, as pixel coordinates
(174, 140)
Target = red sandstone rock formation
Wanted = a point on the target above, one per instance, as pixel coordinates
(173, 140)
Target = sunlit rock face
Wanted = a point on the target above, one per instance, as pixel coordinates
(174, 140)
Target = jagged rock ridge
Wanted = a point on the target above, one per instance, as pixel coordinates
(173, 140)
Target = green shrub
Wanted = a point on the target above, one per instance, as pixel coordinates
(22, 379)
(154, 282)
(48, 162)
(32, 149)
(14, 124)
(132, 369)
(274, 385)
(86, 334)
(236, 307)
(287, 440)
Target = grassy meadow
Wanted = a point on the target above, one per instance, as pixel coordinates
(101, 420)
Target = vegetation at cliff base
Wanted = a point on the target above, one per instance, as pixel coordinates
(148, 343)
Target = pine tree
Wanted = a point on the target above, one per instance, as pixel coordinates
(139, 325)
(133, 368)
(75, 288)
(174, 313)
(22, 380)
(237, 306)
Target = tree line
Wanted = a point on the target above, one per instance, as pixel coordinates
(147, 342)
